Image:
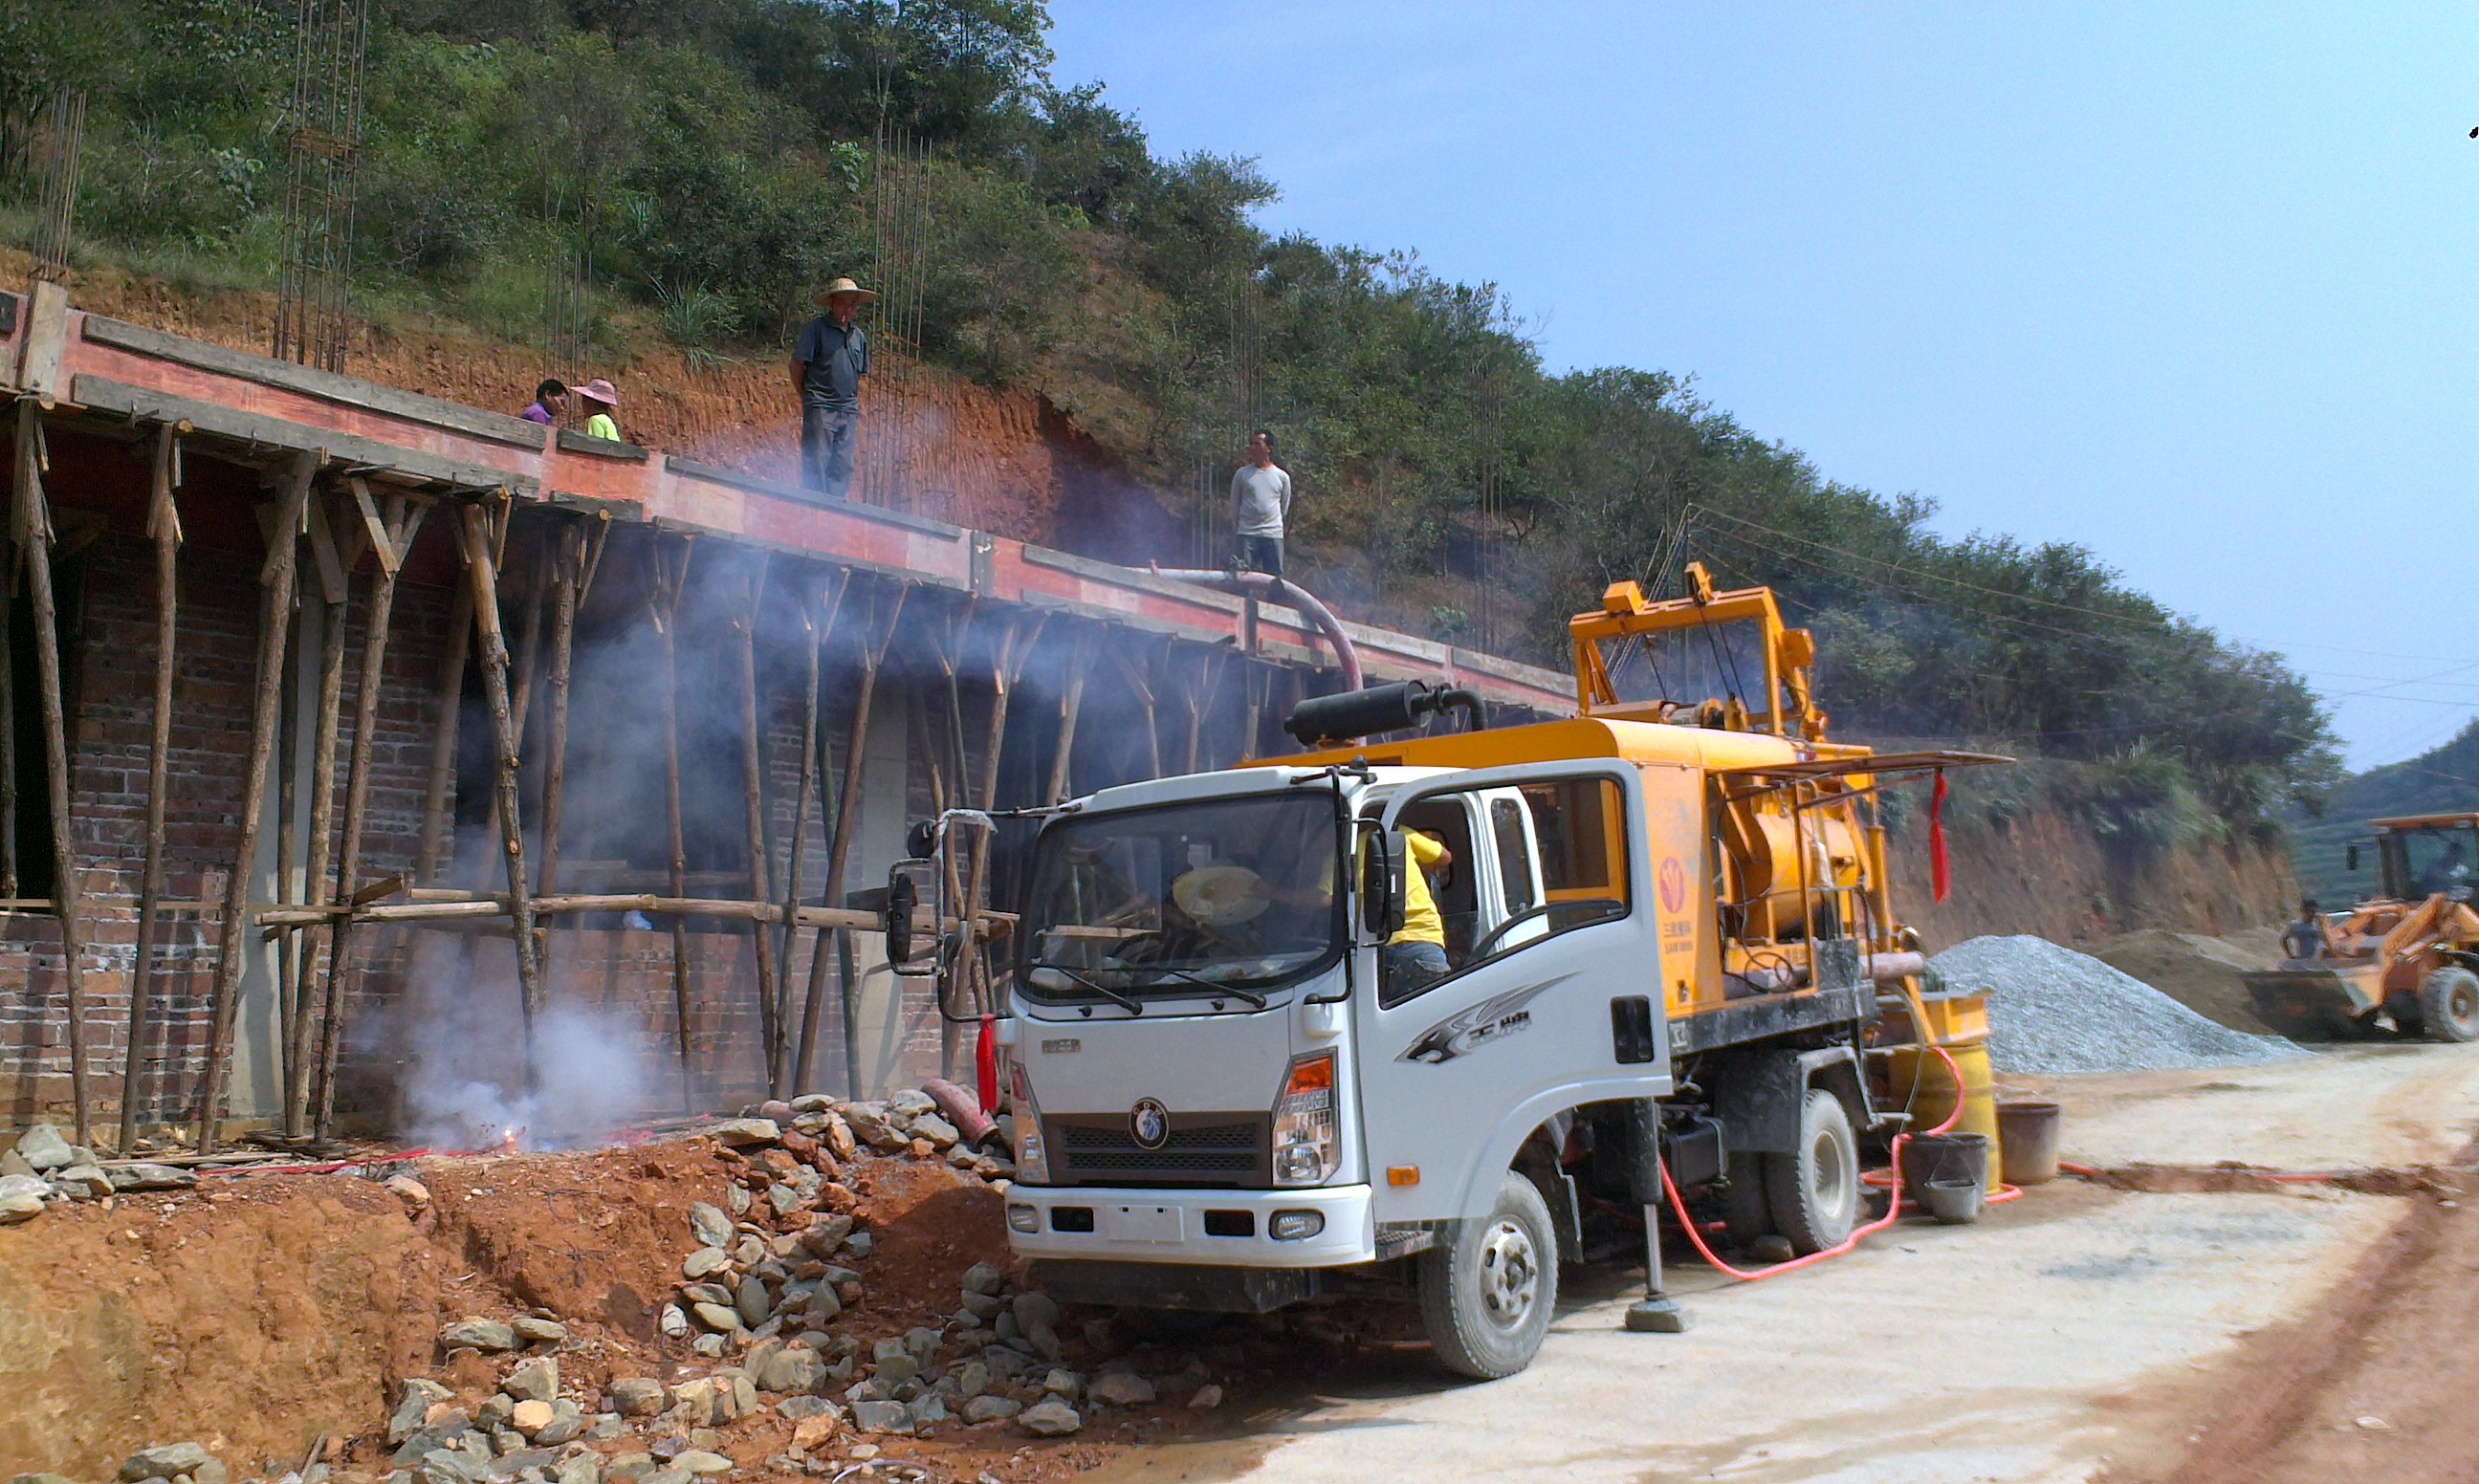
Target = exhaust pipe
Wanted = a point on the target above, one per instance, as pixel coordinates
(1354, 714)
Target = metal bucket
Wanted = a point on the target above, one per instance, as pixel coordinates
(1947, 1174)
(2028, 1136)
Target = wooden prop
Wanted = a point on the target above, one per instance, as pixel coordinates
(164, 526)
(482, 578)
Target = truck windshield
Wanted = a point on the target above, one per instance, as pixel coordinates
(1216, 895)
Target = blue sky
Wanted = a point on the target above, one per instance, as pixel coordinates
(2190, 285)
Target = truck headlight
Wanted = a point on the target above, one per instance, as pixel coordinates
(1032, 1158)
(1305, 1152)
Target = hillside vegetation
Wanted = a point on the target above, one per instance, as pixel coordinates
(713, 162)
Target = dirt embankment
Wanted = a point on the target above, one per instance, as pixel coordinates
(2045, 873)
(259, 1313)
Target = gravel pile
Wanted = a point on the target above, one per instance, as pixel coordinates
(2052, 1010)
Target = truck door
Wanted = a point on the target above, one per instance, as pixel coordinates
(1552, 1007)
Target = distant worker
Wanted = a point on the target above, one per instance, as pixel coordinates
(2450, 872)
(1415, 956)
(551, 399)
(604, 398)
(2306, 938)
(1261, 501)
(826, 371)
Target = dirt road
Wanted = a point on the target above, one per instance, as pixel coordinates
(2080, 1333)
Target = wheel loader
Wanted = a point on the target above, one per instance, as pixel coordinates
(2406, 959)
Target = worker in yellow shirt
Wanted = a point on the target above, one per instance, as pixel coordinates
(1417, 954)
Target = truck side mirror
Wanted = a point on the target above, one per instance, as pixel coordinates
(906, 884)
(1381, 885)
(2354, 858)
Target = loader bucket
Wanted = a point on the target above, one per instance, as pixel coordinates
(2316, 1001)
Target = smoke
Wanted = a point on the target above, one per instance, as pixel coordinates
(467, 1085)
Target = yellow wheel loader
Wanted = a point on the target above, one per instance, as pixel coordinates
(2407, 958)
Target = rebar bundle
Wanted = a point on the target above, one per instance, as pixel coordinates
(324, 127)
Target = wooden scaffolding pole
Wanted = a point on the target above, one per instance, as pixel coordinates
(838, 851)
(669, 582)
(164, 526)
(390, 539)
(753, 766)
(32, 528)
(274, 618)
(580, 557)
(1007, 666)
(435, 804)
(819, 626)
(1071, 702)
(482, 574)
(335, 567)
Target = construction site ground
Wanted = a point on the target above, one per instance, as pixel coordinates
(2145, 1328)
(2177, 1319)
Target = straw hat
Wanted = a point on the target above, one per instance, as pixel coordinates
(846, 286)
(600, 391)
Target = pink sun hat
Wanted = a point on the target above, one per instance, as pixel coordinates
(600, 391)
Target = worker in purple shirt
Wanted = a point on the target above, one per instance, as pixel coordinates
(551, 399)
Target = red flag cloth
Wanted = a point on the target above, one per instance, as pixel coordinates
(1940, 874)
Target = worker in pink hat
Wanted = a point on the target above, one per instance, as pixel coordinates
(826, 371)
(601, 400)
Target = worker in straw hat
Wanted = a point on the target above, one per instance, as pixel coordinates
(601, 400)
(826, 371)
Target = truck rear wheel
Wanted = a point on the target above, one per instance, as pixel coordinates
(2448, 1005)
(1487, 1292)
(1814, 1190)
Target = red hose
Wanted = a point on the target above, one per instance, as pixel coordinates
(1893, 1206)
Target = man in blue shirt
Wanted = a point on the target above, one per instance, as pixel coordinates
(826, 371)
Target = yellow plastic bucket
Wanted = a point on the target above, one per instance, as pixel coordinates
(1919, 1080)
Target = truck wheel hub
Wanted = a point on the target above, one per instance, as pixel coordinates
(1510, 1273)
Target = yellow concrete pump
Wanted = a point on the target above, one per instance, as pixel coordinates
(1665, 931)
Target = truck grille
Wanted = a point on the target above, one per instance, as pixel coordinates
(1203, 1149)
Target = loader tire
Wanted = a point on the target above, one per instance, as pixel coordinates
(1488, 1290)
(1814, 1190)
(2448, 1005)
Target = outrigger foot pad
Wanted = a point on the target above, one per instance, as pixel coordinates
(1656, 1314)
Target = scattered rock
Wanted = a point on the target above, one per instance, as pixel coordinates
(697, 1461)
(42, 1148)
(412, 1408)
(983, 1278)
(1062, 1382)
(531, 1417)
(80, 1182)
(1122, 1389)
(792, 1370)
(746, 1133)
(711, 1227)
(637, 1396)
(784, 1198)
(753, 1301)
(882, 1417)
(838, 1138)
(21, 1197)
(927, 1409)
(672, 1320)
(534, 1329)
(1052, 1418)
(813, 1102)
(704, 1261)
(1208, 1396)
(810, 1431)
(1044, 1342)
(1033, 1307)
(708, 1346)
(910, 1103)
(151, 1177)
(875, 1128)
(972, 1378)
(717, 1317)
(536, 1380)
(936, 1130)
(859, 1245)
(489, 1336)
(163, 1460)
(39, 1479)
(413, 1193)
(737, 1199)
(990, 1409)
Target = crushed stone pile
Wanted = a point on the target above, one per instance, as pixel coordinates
(2052, 1010)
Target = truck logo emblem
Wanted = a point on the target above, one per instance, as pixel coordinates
(1468, 1029)
(1149, 1123)
(1673, 884)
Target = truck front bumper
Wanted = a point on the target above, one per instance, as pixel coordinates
(1214, 1228)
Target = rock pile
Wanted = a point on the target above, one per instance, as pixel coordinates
(2052, 1010)
(45, 1168)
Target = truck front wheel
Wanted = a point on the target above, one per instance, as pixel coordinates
(1814, 1190)
(1487, 1291)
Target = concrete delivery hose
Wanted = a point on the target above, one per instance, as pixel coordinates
(1268, 587)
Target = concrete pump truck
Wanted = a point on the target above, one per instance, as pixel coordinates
(1668, 930)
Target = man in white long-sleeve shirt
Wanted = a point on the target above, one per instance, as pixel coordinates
(1261, 501)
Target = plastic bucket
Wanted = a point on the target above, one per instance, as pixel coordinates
(1939, 1170)
(2027, 1139)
